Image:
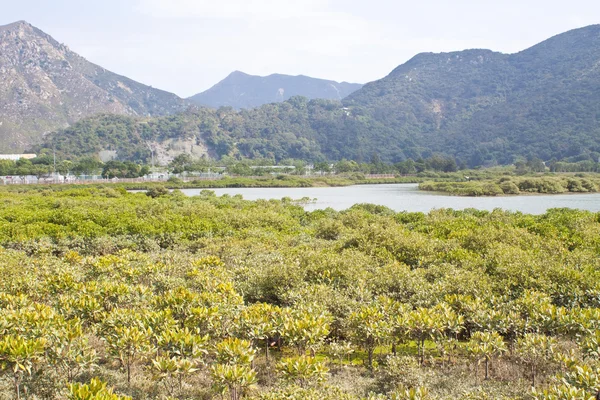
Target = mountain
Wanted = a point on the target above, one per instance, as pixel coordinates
(485, 107)
(45, 86)
(479, 106)
(240, 90)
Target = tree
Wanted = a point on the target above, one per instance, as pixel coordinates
(39, 170)
(128, 344)
(95, 390)
(536, 165)
(484, 346)
(181, 163)
(180, 352)
(406, 167)
(536, 352)
(370, 327)
(19, 355)
(172, 371)
(306, 329)
(86, 166)
(64, 167)
(322, 167)
(341, 350)
(590, 345)
(259, 323)
(521, 167)
(303, 370)
(232, 373)
(69, 351)
(345, 166)
(430, 323)
(577, 382)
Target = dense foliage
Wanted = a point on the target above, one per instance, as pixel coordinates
(106, 294)
(45, 165)
(511, 185)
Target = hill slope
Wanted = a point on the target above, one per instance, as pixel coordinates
(45, 86)
(487, 107)
(479, 106)
(240, 90)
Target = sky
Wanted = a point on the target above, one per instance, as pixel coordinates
(186, 46)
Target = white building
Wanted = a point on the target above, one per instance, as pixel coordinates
(15, 157)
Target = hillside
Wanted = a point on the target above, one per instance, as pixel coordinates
(45, 86)
(240, 90)
(479, 106)
(487, 107)
(277, 131)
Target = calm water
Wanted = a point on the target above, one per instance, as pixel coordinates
(406, 197)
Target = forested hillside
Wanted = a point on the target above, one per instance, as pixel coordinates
(486, 107)
(480, 107)
(275, 131)
(297, 128)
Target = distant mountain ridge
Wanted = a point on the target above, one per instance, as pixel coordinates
(240, 90)
(45, 86)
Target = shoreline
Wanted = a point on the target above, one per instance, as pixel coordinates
(228, 183)
(441, 186)
(505, 195)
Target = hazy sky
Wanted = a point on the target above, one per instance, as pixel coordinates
(186, 46)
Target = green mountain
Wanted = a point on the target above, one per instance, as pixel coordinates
(240, 90)
(45, 86)
(487, 107)
(278, 130)
(481, 107)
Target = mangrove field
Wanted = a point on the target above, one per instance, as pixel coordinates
(111, 295)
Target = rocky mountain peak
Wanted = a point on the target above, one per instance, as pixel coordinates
(45, 86)
(18, 26)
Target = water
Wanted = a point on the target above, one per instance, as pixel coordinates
(407, 197)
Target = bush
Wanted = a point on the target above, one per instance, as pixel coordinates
(509, 187)
(157, 191)
(399, 372)
(329, 229)
(589, 185)
(491, 189)
(542, 185)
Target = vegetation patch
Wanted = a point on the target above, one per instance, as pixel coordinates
(553, 184)
(113, 295)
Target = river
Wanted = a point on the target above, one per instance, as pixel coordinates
(407, 197)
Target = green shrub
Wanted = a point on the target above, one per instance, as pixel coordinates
(491, 189)
(157, 191)
(399, 372)
(509, 187)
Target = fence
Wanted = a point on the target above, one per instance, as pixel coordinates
(32, 180)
